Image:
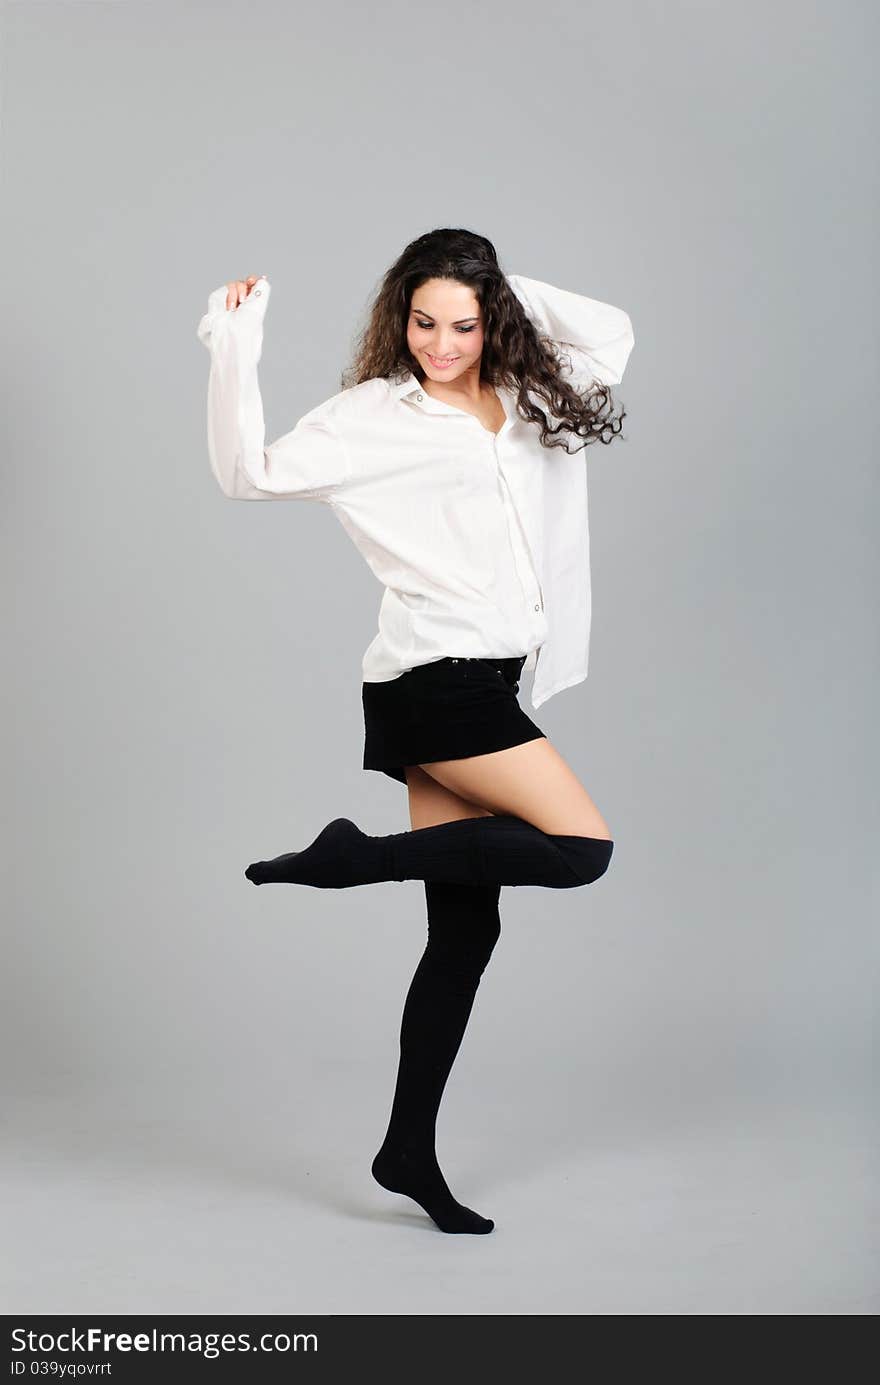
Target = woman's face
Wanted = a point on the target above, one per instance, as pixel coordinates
(445, 329)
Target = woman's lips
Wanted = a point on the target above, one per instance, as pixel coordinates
(441, 365)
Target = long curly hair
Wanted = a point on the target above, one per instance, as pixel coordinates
(515, 355)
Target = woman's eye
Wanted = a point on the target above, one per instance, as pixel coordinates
(426, 326)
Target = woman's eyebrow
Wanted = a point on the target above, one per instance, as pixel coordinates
(457, 321)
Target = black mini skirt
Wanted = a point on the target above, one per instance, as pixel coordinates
(449, 709)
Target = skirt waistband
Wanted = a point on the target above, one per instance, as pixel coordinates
(510, 665)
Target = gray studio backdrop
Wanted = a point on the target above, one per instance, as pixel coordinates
(183, 671)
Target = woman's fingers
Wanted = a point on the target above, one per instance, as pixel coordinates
(237, 290)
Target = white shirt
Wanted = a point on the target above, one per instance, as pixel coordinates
(481, 541)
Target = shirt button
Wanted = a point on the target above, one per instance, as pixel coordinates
(537, 608)
(420, 396)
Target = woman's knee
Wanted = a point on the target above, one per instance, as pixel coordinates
(464, 924)
(588, 857)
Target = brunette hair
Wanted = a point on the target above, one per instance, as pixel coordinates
(515, 354)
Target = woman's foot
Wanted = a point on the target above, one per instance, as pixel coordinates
(341, 855)
(418, 1176)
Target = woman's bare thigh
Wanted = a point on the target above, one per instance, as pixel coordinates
(530, 781)
(430, 803)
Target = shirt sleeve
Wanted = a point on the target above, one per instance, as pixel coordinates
(596, 337)
(310, 462)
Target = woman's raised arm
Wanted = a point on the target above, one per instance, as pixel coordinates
(308, 463)
(596, 336)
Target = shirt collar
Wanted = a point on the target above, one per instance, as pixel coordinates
(409, 385)
(410, 388)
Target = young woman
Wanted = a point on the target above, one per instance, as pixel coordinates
(450, 457)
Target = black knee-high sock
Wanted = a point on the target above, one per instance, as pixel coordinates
(495, 850)
(463, 927)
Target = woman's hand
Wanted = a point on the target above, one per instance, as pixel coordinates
(237, 290)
